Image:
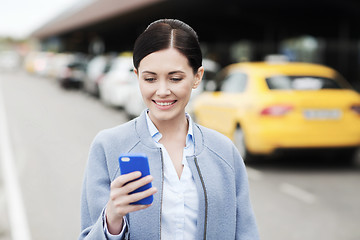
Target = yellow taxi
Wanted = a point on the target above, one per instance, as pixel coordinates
(265, 107)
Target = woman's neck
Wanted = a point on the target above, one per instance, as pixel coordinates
(172, 127)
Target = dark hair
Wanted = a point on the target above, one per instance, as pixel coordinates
(166, 33)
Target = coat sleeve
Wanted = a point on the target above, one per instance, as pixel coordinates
(246, 228)
(95, 193)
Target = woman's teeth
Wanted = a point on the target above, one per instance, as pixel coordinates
(164, 103)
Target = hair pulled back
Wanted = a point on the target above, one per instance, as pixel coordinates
(168, 33)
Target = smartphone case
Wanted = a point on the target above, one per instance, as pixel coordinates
(136, 162)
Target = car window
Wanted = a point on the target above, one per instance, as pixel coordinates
(122, 64)
(235, 82)
(301, 83)
(209, 75)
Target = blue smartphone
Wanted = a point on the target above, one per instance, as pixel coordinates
(136, 162)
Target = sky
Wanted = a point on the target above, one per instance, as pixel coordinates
(19, 18)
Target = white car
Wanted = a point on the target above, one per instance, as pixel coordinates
(95, 71)
(115, 86)
(135, 104)
(9, 60)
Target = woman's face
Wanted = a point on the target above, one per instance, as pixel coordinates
(166, 81)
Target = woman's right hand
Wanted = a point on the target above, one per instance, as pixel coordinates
(120, 199)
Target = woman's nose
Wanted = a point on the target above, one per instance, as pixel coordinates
(163, 89)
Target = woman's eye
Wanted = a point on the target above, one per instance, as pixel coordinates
(149, 79)
(175, 79)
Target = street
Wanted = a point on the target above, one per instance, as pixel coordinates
(51, 129)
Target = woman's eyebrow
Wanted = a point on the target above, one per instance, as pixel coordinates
(149, 72)
(170, 73)
(174, 72)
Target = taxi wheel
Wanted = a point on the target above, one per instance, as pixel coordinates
(239, 140)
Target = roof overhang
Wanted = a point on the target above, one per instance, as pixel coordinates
(91, 12)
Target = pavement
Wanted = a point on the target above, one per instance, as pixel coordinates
(4, 223)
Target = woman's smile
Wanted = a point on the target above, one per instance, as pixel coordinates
(164, 103)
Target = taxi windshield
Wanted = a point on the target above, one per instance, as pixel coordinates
(282, 82)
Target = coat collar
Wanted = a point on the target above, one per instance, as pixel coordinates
(143, 133)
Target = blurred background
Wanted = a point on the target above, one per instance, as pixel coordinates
(66, 73)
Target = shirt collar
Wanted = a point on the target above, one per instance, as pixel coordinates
(156, 135)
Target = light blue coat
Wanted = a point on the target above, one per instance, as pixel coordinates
(225, 211)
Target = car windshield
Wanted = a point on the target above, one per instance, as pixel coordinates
(282, 82)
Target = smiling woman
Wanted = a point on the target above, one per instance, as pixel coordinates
(200, 186)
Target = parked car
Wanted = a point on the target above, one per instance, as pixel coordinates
(45, 63)
(211, 68)
(56, 64)
(73, 73)
(28, 63)
(41, 61)
(268, 107)
(135, 105)
(96, 69)
(9, 60)
(115, 86)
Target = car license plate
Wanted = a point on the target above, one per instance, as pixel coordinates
(320, 114)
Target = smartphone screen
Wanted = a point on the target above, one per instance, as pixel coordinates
(136, 162)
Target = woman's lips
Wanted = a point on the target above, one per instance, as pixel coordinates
(164, 104)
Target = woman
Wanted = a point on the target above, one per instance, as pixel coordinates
(200, 185)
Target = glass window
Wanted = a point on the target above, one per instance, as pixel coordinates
(235, 82)
(301, 83)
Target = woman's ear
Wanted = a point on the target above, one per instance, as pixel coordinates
(136, 72)
(198, 77)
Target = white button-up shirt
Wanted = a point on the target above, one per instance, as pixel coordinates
(180, 197)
